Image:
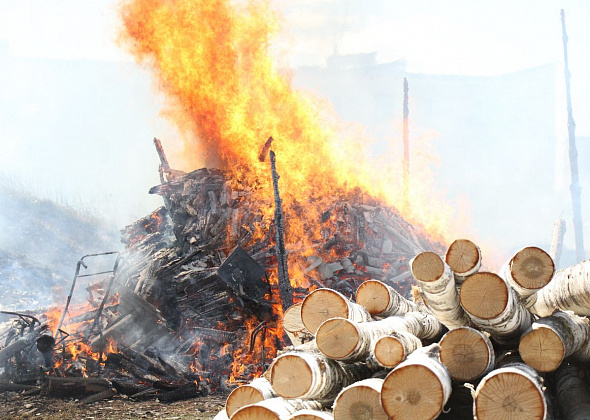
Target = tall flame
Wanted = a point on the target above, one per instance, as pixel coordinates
(211, 59)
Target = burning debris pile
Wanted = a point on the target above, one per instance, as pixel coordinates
(193, 304)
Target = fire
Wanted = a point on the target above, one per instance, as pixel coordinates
(211, 58)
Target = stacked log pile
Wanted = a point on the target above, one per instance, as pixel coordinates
(477, 345)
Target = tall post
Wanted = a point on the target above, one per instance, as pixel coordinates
(285, 288)
(406, 161)
(575, 188)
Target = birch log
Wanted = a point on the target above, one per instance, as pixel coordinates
(382, 300)
(551, 339)
(323, 304)
(573, 395)
(391, 350)
(345, 340)
(293, 325)
(258, 390)
(222, 415)
(464, 258)
(313, 376)
(569, 291)
(494, 307)
(514, 392)
(418, 388)
(312, 415)
(467, 354)
(360, 401)
(529, 270)
(274, 409)
(438, 288)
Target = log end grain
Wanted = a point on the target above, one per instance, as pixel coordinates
(389, 352)
(359, 403)
(463, 256)
(254, 412)
(509, 395)
(484, 295)
(427, 267)
(241, 397)
(466, 353)
(337, 338)
(542, 349)
(412, 392)
(292, 319)
(321, 305)
(532, 268)
(374, 296)
(290, 376)
(311, 415)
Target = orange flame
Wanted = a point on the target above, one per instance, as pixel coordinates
(225, 93)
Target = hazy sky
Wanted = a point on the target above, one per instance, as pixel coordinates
(106, 160)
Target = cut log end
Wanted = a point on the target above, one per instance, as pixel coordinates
(532, 268)
(321, 305)
(374, 296)
(484, 295)
(311, 415)
(463, 256)
(359, 403)
(466, 354)
(509, 396)
(412, 392)
(291, 376)
(337, 338)
(389, 352)
(427, 267)
(254, 412)
(542, 349)
(292, 319)
(241, 397)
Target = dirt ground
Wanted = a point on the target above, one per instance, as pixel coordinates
(16, 406)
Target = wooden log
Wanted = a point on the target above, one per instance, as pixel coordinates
(360, 401)
(67, 387)
(551, 339)
(467, 354)
(463, 258)
(418, 388)
(257, 390)
(382, 300)
(99, 396)
(529, 270)
(438, 288)
(349, 341)
(569, 291)
(573, 395)
(312, 415)
(297, 374)
(274, 409)
(494, 307)
(323, 304)
(513, 392)
(181, 393)
(391, 350)
(12, 387)
(222, 415)
(294, 327)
